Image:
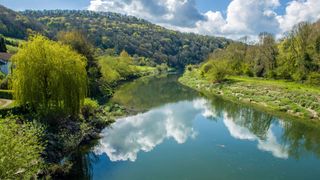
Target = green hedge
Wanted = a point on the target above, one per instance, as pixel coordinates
(6, 94)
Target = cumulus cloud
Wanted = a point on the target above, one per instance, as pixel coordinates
(298, 11)
(243, 17)
(182, 13)
(143, 132)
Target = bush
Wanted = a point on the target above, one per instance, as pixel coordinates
(218, 70)
(114, 69)
(89, 107)
(314, 79)
(20, 150)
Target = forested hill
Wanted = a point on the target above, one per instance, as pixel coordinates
(114, 31)
(136, 36)
(16, 25)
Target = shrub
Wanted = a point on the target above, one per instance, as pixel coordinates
(114, 69)
(218, 71)
(89, 107)
(314, 79)
(20, 150)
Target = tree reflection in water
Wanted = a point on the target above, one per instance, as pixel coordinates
(297, 137)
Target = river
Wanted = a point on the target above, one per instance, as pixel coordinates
(178, 134)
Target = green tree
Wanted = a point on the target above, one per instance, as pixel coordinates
(236, 53)
(216, 70)
(20, 150)
(299, 43)
(3, 47)
(79, 42)
(268, 52)
(49, 76)
(124, 54)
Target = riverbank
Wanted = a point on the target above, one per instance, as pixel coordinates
(289, 98)
(66, 138)
(76, 134)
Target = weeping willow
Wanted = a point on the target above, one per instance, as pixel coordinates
(49, 76)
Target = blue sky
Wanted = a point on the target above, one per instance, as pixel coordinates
(229, 18)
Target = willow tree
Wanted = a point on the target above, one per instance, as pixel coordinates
(49, 76)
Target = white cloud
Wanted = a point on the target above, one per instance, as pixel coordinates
(298, 11)
(243, 17)
(182, 13)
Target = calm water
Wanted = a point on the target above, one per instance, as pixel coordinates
(181, 135)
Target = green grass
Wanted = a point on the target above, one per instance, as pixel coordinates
(15, 40)
(279, 96)
(12, 49)
(278, 83)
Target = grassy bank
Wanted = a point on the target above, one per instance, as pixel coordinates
(278, 96)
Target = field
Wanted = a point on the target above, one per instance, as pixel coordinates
(298, 100)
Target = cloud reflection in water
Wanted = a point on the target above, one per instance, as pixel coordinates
(142, 132)
(270, 144)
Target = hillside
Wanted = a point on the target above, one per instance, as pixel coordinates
(114, 31)
(14, 24)
(111, 30)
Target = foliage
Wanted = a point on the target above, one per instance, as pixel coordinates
(89, 107)
(114, 69)
(162, 68)
(314, 79)
(124, 54)
(135, 36)
(216, 70)
(20, 150)
(295, 57)
(49, 76)
(14, 24)
(79, 42)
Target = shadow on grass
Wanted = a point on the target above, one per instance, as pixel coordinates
(231, 81)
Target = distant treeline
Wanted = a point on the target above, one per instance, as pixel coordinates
(294, 57)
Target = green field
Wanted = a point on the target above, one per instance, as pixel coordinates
(12, 44)
(279, 96)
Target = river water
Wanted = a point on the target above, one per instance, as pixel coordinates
(179, 134)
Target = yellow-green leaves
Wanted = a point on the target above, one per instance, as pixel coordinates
(20, 150)
(114, 69)
(49, 76)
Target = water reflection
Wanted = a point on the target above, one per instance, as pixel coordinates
(143, 132)
(294, 140)
(268, 144)
(255, 135)
(150, 92)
